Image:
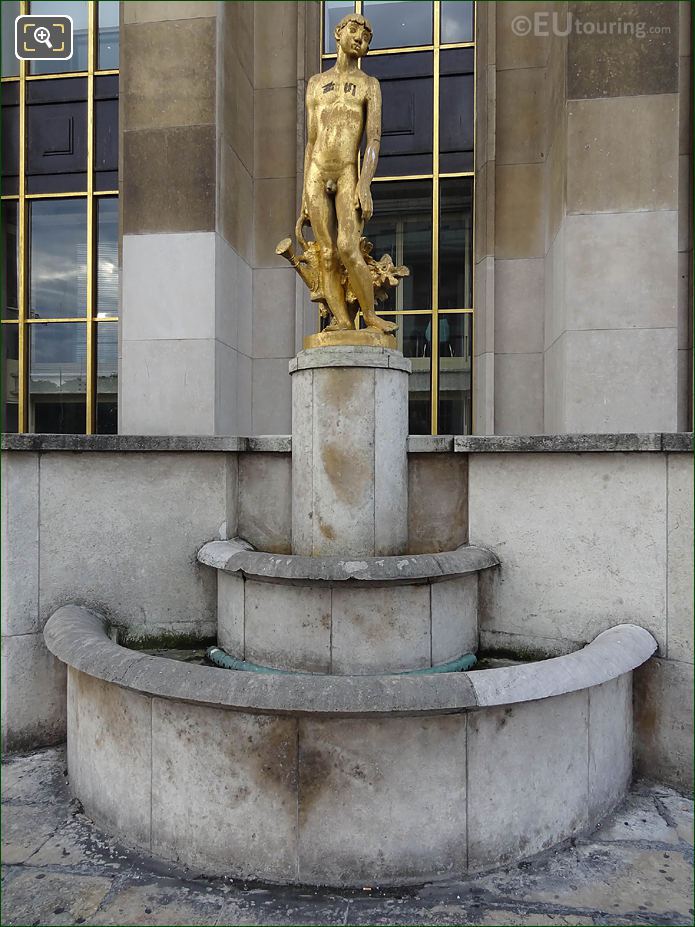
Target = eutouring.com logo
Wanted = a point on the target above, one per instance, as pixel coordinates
(43, 38)
(544, 24)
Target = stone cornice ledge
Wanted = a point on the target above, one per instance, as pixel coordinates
(417, 444)
(79, 637)
(147, 443)
(573, 444)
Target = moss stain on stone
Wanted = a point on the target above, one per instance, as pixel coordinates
(163, 640)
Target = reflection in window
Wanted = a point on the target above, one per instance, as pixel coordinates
(457, 21)
(413, 341)
(455, 350)
(334, 10)
(456, 243)
(107, 257)
(402, 227)
(10, 378)
(58, 259)
(9, 261)
(58, 378)
(10, 138)
(406, 131)
(10, 64)
(108, 35)
(57, 136)
(456, 87)
(107, 378)
(397, 24)
(78, 11)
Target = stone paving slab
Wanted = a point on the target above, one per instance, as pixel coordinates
(161, 902)
(58, 868)
(39, 896)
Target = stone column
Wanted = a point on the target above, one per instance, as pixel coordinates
(172, 341)
(349, 452)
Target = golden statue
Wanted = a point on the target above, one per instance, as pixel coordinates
(337, 267)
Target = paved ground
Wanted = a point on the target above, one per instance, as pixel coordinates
(59, 869)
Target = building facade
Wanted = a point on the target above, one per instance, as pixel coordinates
(538, 186)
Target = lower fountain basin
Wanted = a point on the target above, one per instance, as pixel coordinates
(346, 616)
(345, 780)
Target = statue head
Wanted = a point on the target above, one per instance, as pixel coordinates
(353, 34)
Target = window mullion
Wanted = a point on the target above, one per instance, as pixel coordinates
(22, 261)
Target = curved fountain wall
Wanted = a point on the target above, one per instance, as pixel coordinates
(343, 780)
(337, 770)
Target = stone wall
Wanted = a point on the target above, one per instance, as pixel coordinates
(584, 218)
(587, 541)
(583, 240)
(591, 531)
(616, 334)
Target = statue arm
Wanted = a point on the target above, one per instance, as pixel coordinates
(311, 140)
(363, 196)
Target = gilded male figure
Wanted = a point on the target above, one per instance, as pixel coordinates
(342, 104)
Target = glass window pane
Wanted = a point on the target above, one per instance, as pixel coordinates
(10, 64)
(457, 67)
(58, 378)
(397, 23)
(455, 353)
(58, 259)
(78, 11)
(10, 138)
(106, 142)
(9, 261)
(107, 378)
(402, 227)
(10, 378)
(57, 146)
(456, 243)
(333, 12)
(457, 21)
(413, 342)
(406, 131)
(107, 256)
(108, 35)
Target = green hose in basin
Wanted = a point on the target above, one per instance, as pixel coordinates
(220, 658)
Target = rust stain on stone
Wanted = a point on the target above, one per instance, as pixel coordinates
(348, 472)
(326, 530)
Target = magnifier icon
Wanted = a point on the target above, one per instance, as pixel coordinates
(41, 34)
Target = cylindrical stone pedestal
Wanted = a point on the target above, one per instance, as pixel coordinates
(349, 452)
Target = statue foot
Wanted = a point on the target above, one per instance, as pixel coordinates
(375, 324)
(335, 326)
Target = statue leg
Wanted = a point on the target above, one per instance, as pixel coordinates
(321, 218)
(349, 234)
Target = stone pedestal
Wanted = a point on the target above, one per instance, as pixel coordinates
(349, 452)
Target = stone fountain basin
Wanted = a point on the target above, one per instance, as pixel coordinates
(342, 615)
(345, 780)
